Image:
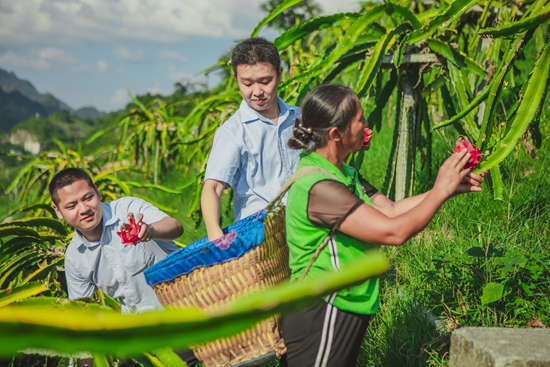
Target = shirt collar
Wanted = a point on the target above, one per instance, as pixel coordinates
(78, 240)
(107, 220)
(248, 114)
(108, 217)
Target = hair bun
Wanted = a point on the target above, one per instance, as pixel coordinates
(301, 136)
(302, 133)
(306, 131)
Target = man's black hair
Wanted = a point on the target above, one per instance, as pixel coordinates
(253, 51)
(67, 177)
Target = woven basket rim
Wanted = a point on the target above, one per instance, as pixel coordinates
(203, 253)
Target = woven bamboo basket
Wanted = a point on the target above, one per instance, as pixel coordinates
(251, 256)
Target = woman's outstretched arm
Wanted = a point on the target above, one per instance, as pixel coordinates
(369, 224)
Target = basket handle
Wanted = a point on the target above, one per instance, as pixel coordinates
(302, 172)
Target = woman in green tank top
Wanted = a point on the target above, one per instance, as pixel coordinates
(342, 203)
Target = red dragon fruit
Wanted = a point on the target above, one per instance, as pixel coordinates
(129, 232)
(475, 154)
(367, 136)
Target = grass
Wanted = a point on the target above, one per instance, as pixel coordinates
(437, 280)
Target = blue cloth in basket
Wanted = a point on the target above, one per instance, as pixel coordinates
(239, 238)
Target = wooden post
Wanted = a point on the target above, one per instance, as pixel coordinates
(408, 121)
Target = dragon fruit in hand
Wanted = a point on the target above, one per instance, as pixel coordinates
(129, 232)
(475, 153)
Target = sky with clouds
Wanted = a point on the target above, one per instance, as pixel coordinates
(92, 52)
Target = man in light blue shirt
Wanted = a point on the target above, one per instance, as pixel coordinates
(96, 256)
(250, 152)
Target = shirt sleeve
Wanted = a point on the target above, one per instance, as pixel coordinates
(77, 286)
(151, 214)
(369, 189)
(128, 204)
(329, 201)
(224, 160)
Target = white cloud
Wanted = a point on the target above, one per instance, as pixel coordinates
(43, 59)
(155, 90)
(168, 21)
(129, 55)
(102, 66)
(177, 75)
(340, 6)
(10, 58)
(57, 55)
(173, 55)
(120, 97)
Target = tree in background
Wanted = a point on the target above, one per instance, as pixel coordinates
(293, 16)
(436, 64)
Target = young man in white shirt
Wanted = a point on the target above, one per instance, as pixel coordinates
(250, 152)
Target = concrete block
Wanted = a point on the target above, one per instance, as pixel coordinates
(500, 347)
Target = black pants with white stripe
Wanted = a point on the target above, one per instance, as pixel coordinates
(323, 336)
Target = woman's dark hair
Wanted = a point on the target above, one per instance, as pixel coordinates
(67, 177)
(253, 51)
(325, 107)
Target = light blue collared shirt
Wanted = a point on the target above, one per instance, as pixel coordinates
(115, 268)
(250, 154)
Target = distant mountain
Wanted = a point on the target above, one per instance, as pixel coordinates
(9, 82)
(19, 100)
(88, 113)
(15, 107)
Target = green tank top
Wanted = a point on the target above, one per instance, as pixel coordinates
(303, 238)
